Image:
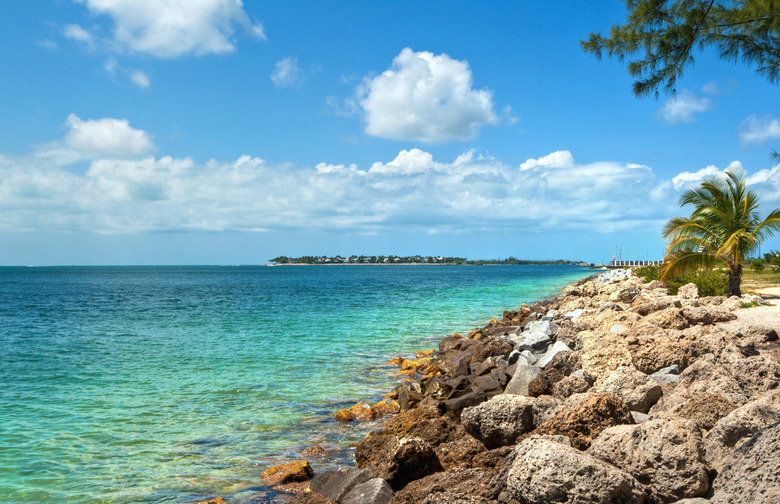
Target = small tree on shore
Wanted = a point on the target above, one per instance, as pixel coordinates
(723, 229)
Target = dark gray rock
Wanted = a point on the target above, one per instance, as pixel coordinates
(373, 491)
(336, 484)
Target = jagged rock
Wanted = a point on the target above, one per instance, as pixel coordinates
(626, 293)
(373, 491)
(704, 409)
(523, 375)
(535, 341)
(688, 291)
(669, 374)
(311, 498)
(555, 349)
(362, 411)
(751, 474)
(736, 427)
(667, 454)
(587, 419)
(500, 420)
(456, 405)
(603, 353)
(396, 459)
(704, 376)
(462, 452)
(336, 484)
(757, 334)
(637, 390)
(542, 471)
(569, 386)
(670, 318)
(409, 394)
(756, 375)
(459, 486)
(290, 472)
(386, 407)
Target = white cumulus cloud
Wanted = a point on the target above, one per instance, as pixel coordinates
(286, 73)
(756, 130)
(683, 107)
(557, 159)
(172, 28)
(108, 137)
(425, 97)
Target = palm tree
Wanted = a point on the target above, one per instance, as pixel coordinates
(724, 228)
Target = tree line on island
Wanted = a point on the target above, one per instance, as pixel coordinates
(416, 259)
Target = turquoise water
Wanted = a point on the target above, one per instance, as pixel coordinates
(172, 384)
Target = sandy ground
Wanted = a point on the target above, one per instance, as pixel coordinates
(768, 315)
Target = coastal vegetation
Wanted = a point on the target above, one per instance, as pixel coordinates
(724, 229)
(416, 259)
(663, 36)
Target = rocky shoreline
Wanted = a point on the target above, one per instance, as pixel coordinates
(613, 392)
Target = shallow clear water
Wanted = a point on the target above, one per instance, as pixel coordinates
(172, 384)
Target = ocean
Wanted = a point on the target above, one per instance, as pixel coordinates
(175, 384)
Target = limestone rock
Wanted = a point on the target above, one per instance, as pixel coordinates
(736, 427)
(705, 376)
(373, 491)
(362, 412)
(603, 353)
(626, 293)
(544, 471)
(569, 386)
(290, 472)
(551, 352)
(688, 291)
(670, 318)
(587, 419)
(705, 409)
(751, 474)
(500, 420)
(386, 407)
(637, 390)
(396, 459)
(667, 454)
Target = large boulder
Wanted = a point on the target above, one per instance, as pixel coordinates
(707, 376)
(751, 474)
(396, 459)
(603, 353)
(637, 390)
(667, 454)
(454, 486)
(291, 472)
(373, 491)
(543, 470)
(737, 427)
(705, 409)
(587, 419)
(500, 420)
(460, 453)
(523, 375)
(688, 291)
(336, 484)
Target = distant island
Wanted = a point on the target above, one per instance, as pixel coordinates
(416, 259)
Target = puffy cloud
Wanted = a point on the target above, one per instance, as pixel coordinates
(140, 79)
(683, 107)
(77, 33)
(687, 179)
(286, 73)
(755, 130)
(406, 163)
(425, 97)
(106, 137)
(557, 159)
(172, 28)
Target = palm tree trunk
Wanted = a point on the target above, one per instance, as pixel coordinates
(735, 279)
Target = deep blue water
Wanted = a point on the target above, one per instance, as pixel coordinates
(172, 384)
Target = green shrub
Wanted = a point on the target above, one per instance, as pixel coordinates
(757, 265)
(648, 273)
(709, 282)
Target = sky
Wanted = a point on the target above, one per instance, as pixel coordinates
(222, 132)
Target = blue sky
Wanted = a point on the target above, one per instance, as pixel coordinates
(216, 132)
